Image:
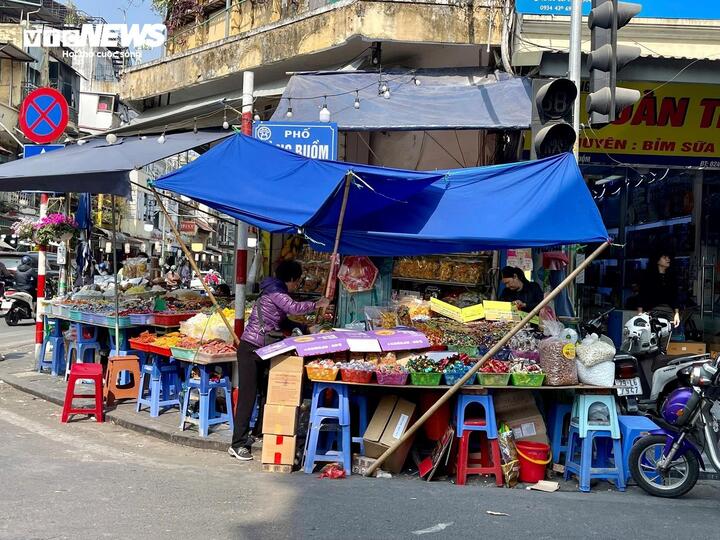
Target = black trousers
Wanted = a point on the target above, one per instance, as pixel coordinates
(252, 377)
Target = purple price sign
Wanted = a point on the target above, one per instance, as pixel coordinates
(317, 344)
(400, 340)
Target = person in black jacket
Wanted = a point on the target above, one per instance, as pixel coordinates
(26, 277)
(526, 295)
(659, 287)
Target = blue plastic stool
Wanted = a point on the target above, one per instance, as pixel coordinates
(324, 417)
(55, 339)
(490, 425)
(556, 427)
(631, 429)
(360, 401)
(164, 381)
(207, 390)
(84, 348)
(581, 411)
(594, 460)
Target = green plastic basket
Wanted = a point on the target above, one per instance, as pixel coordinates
(527, 379)
(76, 315)
(419, 378)
(493, 379)
(470, 351)
(183, 354)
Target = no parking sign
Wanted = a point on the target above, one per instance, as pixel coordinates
(43, 115)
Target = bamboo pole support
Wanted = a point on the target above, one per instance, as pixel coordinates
(499, 345)
(194, 266)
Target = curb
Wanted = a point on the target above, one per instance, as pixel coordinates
(175, 438)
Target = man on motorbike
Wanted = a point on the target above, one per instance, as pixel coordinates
(26, 277)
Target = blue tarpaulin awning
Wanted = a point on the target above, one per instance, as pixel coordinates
(470, 98)
(392, 211)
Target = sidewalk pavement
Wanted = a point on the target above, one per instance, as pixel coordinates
(18, 370)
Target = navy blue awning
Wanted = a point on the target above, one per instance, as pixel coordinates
(394, 211)
(462, 98)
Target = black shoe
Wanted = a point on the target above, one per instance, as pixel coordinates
(242, 453)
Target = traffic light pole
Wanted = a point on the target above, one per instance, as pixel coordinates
(575, 66)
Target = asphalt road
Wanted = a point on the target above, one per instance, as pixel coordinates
(13, 337)
(87, 480)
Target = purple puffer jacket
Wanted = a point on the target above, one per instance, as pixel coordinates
(276, 304)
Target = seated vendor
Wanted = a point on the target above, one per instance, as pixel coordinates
(274, 304)
(526, 295)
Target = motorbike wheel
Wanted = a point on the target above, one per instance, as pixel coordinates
(680, 478)
(13, 317)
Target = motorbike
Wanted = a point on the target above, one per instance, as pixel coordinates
(644, 373)
(667, 461)
(16, 306)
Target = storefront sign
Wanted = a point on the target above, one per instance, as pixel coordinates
(317, 140)
(673, 124)
(659, 9)
(188, 227)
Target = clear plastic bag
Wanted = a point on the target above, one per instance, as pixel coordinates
(557, 356)
(602, 374)
(594, 350)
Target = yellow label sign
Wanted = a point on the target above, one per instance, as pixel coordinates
(568, 351)
(498, 311)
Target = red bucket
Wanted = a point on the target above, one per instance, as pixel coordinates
(534, 458)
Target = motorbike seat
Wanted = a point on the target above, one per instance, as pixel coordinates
(663, 360)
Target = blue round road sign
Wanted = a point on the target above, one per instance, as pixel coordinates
(43, 115)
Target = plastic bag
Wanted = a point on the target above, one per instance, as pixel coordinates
(602, 374)
(509, 457)
(381, 317)
(557, 355)
(594, 350)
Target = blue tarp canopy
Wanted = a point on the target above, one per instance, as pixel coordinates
(392, 211)
(471, 99)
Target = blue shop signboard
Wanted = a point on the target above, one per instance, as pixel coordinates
(317, 140)
(653, 9)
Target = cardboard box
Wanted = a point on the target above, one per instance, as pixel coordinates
(686, 347)
(518, 410)
(390, 421)
(279, 419)
(361, 463)
(285, 381)
(278, 449)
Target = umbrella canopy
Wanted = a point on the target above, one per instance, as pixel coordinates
(97, 166)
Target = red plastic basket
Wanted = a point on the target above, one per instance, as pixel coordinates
(356, 375)
(162, 351)
(138, 346)
(170, 319)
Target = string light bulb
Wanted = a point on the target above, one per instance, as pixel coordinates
(324, 111)
(161, 138)
(416, 81)
(383, 88)
(256, 117)
(289, 113)
(357, 100)
(111, 138)
(225, 124)
(386, 94)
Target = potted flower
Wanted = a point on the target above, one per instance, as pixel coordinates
(24, 229)
(54, 227)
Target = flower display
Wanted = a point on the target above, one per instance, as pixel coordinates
(24, 229)
(54, 227)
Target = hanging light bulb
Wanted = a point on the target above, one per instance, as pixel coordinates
(357, 100)
(386, 94)
(324, 112)
(161, 138)
(416, 81)
(256, 117)
(111, 138)
(383, 87)
(289, 112)
(226, 125)
(81, 142)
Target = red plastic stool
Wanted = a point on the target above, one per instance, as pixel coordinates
(84, 371)
(487, 466)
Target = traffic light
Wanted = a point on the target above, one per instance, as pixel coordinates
(552, 131)
(606, 101)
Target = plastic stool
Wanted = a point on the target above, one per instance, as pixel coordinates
(85, 348)
(342, 453)
(84, 371)
(207, 391)
(360, 401)
(55, 339)
(556, 427)
(489, 426)
(164, 380)
(631, 429)
(118, 365)
(586, 468)
(465, 467)
(341, 412)
(581, 410)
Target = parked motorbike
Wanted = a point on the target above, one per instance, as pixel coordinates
(666, 463)
(644, 373)
(16, 306)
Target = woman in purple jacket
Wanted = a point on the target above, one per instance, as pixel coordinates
(276, 305)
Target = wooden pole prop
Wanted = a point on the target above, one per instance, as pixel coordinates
(499, 345)
(194, 266)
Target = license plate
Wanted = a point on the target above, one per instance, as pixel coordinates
(629, 387)
(6, 305)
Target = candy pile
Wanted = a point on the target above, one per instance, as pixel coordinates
(422, 364)
(391, 370)
(188, 342)
(217, 348)
(524, 366)
(358, 365)
(146, 337)
(495, 366)
(456, 362)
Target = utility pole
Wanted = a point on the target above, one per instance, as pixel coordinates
(575, 66)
